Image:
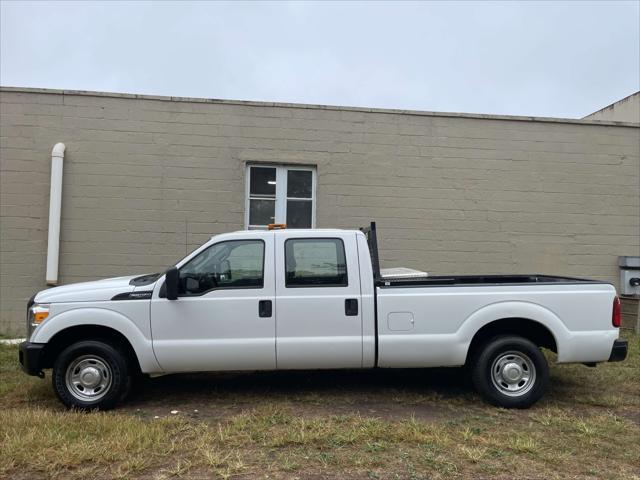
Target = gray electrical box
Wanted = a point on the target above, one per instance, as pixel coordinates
(629, 275)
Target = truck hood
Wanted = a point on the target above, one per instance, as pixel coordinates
(97, 291)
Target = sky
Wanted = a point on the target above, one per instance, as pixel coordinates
(533, 58)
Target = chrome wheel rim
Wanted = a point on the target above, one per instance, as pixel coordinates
(88, 378)
(513, 373)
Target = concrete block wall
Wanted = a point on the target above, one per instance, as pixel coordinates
(631, 313)
(147, 179)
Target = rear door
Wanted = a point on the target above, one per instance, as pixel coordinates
(318, 300)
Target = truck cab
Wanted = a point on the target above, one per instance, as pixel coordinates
(230, 293)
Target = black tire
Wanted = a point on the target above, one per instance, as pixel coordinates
(510, 372)
(101, 364)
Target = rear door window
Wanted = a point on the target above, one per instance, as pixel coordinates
(315, 262)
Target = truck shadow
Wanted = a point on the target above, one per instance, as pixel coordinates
(380, 392)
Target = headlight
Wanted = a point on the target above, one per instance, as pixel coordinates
(36, 314)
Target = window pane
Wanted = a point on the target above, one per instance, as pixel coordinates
(299, 183)
(262, 181)
(233, 264)
(262, 212)
(245, 262)
(299, 213)
(315, 263)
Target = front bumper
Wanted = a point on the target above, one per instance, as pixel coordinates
(31, 357)
(619, 351)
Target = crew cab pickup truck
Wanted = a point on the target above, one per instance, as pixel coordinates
(313, 299)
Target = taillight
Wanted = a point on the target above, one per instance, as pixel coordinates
(616, 315)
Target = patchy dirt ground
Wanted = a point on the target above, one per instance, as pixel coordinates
(428, 395)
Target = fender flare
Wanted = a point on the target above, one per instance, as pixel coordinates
(513, 309)
(77, 317)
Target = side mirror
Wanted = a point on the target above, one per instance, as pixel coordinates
(172, 280)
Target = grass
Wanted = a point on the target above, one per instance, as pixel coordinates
(379, 425)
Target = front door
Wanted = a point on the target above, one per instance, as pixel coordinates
(223, 318)
(318, 300)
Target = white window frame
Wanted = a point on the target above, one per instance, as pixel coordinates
(281, 193)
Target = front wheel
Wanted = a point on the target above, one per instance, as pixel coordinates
(91, 375)
(510, 371)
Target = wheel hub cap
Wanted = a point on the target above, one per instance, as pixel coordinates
(513, 373)
(88, 378)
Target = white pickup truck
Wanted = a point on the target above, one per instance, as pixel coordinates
(313, 299)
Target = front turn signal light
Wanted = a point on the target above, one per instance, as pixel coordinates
(39, 317)
(39, 314)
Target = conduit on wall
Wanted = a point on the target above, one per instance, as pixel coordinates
(55, 210)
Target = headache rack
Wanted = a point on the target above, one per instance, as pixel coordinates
(372, 241)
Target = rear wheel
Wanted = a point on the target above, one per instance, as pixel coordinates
(510, 371)
(91, 375)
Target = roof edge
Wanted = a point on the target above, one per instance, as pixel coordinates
(254, 103)
(611, 105)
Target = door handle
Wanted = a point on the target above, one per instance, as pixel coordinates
(351, 307)
(264, 308)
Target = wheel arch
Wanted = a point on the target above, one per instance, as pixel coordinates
(70, 335)
(532, 330)
(527, 319)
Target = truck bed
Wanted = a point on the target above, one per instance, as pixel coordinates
(430, 322)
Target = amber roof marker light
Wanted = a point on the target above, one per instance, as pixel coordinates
(277, 226)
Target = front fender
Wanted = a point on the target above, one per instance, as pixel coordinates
(106, 318)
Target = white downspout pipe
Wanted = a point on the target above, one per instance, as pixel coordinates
(55, 210)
